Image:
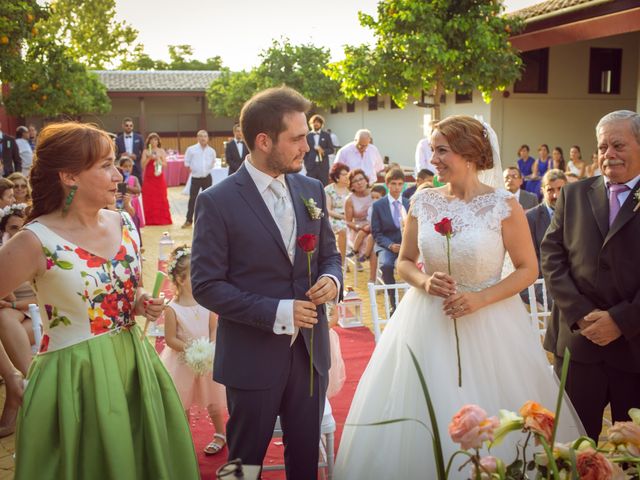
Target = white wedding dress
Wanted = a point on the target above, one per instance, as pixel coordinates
(503, 363)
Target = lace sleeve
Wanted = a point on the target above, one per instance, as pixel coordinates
(422, 204)
(502, 208)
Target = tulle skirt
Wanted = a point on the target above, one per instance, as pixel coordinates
(503, 366)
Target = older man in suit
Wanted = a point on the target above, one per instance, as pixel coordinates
(11, 161)
(235, 151)
(590, 262)
(539, 217)
(513, 182)
(316, 160)
(130, 144)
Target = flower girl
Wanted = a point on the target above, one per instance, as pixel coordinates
(190, 331)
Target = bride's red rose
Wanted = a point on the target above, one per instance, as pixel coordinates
(443, 227)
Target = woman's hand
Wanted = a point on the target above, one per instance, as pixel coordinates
(440, 284)
(461, 304)
(150, 308)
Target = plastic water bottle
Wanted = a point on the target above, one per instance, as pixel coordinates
(165, 246)
(36, 324)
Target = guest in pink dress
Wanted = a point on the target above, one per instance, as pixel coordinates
(185, 321)
(337, 372)
(134, 189)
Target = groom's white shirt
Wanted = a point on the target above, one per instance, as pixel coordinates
(283, 324)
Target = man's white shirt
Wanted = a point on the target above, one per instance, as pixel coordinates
(200, 160)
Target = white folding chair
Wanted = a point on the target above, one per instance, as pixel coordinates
(350, 262)
(378, 320)
(326, 446)
(539, 313)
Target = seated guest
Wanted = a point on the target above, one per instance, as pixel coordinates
(572, 177)
(355, 213)
(337, 192)
(539, 217)
(6, 193)
(513, 183)
(525, 163)
(21, 188)
(424, 176)
(387, 217)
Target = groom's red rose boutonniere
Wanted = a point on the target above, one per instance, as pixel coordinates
(307, 243)
(315, 212)
(444, 228)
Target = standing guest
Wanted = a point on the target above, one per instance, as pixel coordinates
(7, 196)
(316, 160)
(155, 203)
(525, 164)
(592, 274)
(201, 159)
(576, 165)
(361, 154)
(252, 274)
(425, 177)
(133, 191)
(130, 144)
(513, 183)
(337, 193)
(539, 217)
(235, 151)
(387, 222)
(99, 401)
(335, 141)
(24, 149)
(424, 153)
(21, 188)
(11, 161)
(540, 166)
(186, 321)
(557, 159)
(33, 136)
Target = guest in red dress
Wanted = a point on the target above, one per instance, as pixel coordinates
(154, 186)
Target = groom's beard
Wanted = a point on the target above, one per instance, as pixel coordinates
(276, 162)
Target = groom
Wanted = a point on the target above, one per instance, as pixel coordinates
(247, 267)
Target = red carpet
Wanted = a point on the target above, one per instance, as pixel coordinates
(356, 344)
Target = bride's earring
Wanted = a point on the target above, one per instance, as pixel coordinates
(468, 164)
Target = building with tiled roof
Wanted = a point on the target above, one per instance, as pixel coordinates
(156, 81)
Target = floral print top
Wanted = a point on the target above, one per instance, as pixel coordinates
(82, 295)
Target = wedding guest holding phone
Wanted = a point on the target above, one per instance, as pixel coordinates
(98, 399)
(154, 187)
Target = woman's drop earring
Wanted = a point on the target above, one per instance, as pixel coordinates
(69, 199)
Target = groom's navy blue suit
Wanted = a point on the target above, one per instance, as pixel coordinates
(240, 269)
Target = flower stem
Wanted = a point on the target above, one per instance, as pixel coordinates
(455, 320)
(309, 254)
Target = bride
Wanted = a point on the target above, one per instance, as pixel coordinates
(503, 363)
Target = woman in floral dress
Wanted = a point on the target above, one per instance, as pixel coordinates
(98, 403)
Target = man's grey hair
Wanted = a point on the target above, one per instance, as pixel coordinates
(362, 132)
(553, 175)
(619, 116)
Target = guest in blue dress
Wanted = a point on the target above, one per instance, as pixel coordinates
(525, 164)
(540, 166)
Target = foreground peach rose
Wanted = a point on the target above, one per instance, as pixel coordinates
(488, 465)
(471, 427)
(627, 434)
(538, 419)
(592, 465)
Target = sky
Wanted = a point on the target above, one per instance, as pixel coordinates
(239, 30)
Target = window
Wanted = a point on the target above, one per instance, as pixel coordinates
(351, 107)
(337, 109)
(373, 103)
(535, 75)
(393, 104)
(605, 70)
(464, 97)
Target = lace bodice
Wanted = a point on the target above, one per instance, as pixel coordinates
(477, 249)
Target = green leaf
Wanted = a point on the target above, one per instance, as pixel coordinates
(63, 264)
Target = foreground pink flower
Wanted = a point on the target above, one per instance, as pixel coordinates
(471, 427)
(627, 434)
(592, 465)
(488, 465)
(538, 419)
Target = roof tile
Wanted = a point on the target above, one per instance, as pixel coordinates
(156, 81)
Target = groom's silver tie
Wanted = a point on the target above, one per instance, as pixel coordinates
(283, 212)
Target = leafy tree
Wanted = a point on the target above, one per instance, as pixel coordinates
(297, 66)
(431, 46)
(17, 26)
(179, 59)
(90, 31)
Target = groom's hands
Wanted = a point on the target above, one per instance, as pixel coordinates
(323, 291)
(304, 314)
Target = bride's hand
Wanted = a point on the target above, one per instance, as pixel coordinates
(462, 304)
(440, 284)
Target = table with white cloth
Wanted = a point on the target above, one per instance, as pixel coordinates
(218, 174)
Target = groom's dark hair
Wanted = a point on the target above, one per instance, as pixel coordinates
(265, 111)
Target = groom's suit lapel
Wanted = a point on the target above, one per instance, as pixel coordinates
(249, 192)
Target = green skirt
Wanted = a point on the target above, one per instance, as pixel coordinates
(105, 408)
